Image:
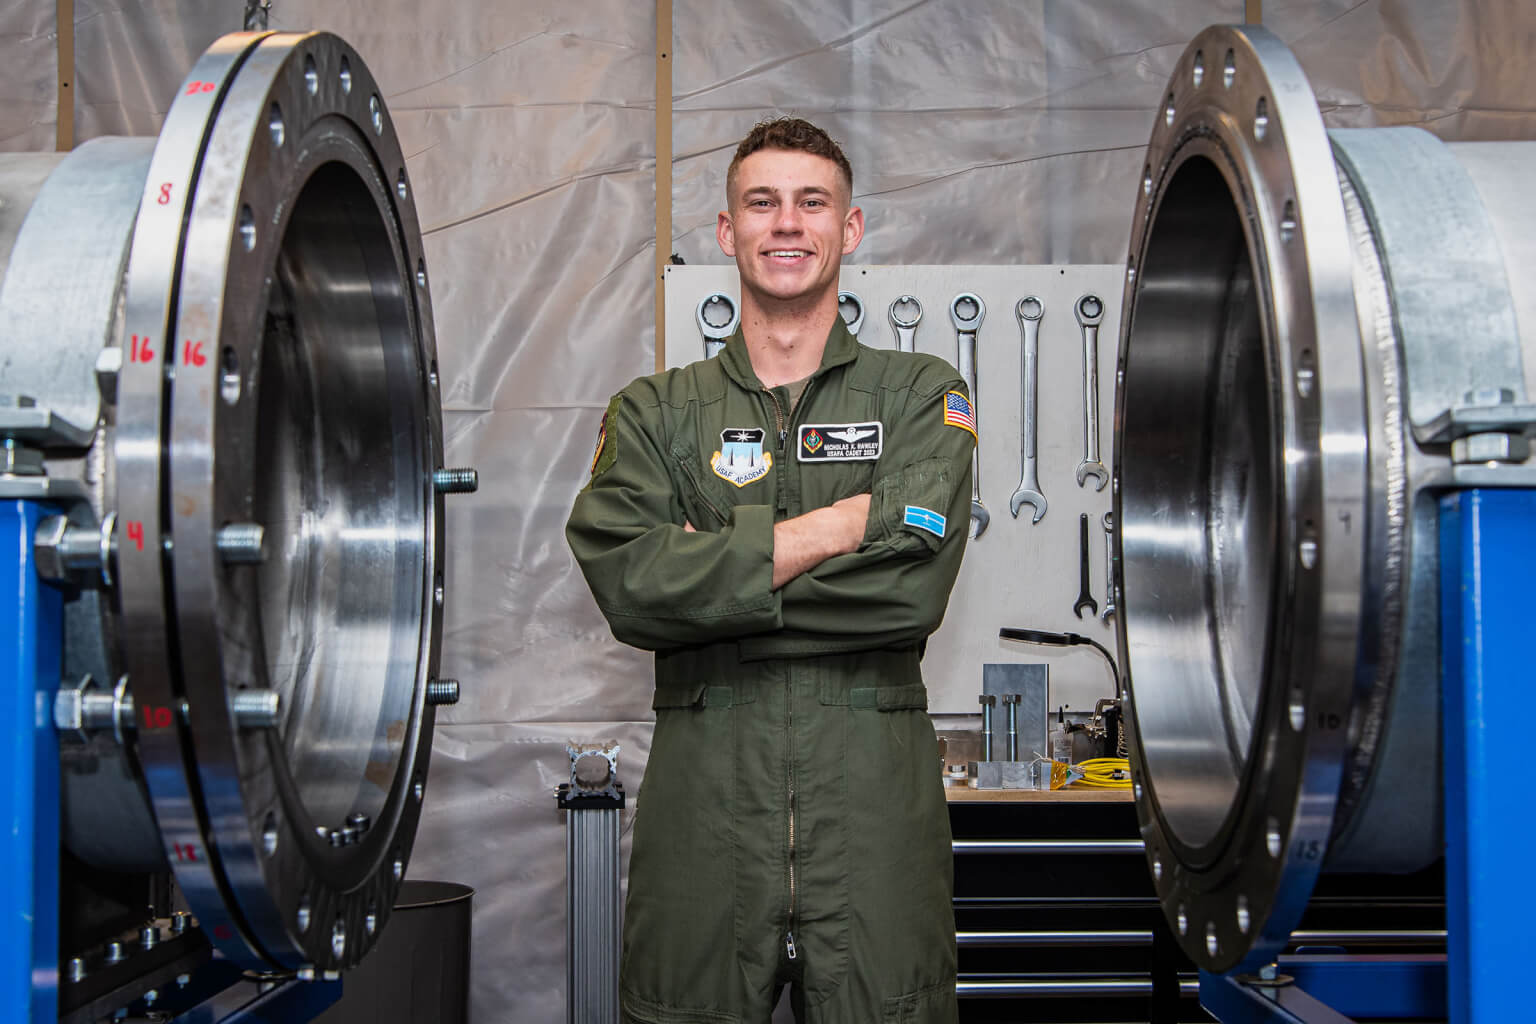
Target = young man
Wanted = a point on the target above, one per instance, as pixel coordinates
(782, 525)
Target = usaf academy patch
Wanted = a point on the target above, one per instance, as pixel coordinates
(741, 458)
(841, 442)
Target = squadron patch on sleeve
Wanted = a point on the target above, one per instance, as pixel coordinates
(741, 458)
(841, 442)
(924, 519)
(959, 413)
(607, 452)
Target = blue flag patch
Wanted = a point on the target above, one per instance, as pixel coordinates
(924, 519)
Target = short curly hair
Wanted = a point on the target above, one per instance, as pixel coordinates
(789, 133)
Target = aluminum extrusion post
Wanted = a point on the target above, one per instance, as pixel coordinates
(592, 905)
(1486, 563)
(29, 778)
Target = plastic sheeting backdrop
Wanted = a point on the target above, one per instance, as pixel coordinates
(980, 132)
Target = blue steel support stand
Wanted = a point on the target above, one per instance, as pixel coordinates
(1487, 562)
(29, 776)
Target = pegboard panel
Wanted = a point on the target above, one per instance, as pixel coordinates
(1017, 573)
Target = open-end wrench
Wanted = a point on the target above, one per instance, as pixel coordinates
(906, 314)
(851, 307)
(718, 316)
(1090, 311)
(1109, 567)
(1084, 593)
(1030, 310)
(966, 312)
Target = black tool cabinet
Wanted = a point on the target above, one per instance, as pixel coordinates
(1064, 925)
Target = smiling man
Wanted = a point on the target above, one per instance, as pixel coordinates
(782, 524)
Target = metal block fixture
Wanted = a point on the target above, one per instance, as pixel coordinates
(594, 799)
(1324, 340)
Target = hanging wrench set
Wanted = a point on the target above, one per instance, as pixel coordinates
(1028, 342)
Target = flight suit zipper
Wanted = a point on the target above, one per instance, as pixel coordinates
(778, 418)
(790, 949)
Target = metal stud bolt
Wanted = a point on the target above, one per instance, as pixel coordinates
(442, 691)
(242, 544)
(456, 481)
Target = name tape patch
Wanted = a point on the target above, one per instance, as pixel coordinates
(924, 519)
(841, 442)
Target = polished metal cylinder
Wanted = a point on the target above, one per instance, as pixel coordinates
(240, 342)
(1287, 408)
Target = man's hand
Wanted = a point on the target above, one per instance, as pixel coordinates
(804, 542)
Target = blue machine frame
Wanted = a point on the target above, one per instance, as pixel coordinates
(29, 814)
(1487, 557)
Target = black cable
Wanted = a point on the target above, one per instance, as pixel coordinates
(1048, 639)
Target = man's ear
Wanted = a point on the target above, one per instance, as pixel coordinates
(853, 230)
(725, 234)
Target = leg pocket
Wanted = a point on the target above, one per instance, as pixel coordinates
(934, 1004)
(679, 921)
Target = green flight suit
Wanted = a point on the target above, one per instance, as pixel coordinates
(791, 827)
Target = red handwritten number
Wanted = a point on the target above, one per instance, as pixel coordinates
(165, 194)
(140, 350)
(185, 851)
(136, 533)
(157, 717)
(193, 88)
(192, 353)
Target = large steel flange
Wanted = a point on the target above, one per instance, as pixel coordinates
(1240, 476)
(284, 543)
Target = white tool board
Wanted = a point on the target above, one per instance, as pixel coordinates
(1016, 573)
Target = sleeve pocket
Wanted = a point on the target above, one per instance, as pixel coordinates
(910, 506)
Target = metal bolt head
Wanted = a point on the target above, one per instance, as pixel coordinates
(987, 700)
(1489, 396)
(359, 822)
(151, 996)
(149, 935)
(17, 459)
(330, 975)
(114, 953)
(109, 363)
(48, 547)
(67, 710)
(183, 980)
(178, 922)
(76, 970)
(1011, 698)
(1492, 447)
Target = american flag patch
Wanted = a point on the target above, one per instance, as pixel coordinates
(958, 412)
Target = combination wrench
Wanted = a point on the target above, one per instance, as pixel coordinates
(1109, 567)
(1084, 592)
(851, 308)
(906, 314)
(967, 311)
(718, 316)
(1030, 310)
(1090, 311)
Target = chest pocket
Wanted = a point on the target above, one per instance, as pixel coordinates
(705, 505)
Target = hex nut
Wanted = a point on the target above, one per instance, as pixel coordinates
(1486, 396)
(48, 547)
(1491, 447)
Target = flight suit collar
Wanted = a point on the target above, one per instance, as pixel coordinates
(841, 348)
